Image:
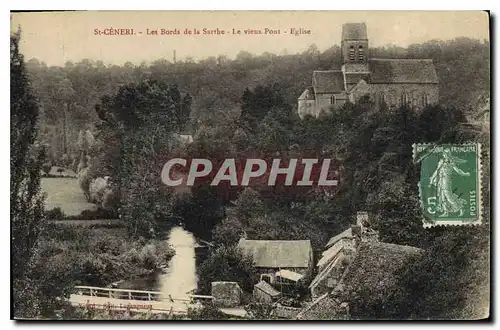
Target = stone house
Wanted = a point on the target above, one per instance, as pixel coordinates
(371, 276)
(339, 251)
(271, 257)
(387, 82)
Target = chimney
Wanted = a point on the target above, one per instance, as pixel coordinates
(358, 229)
(356, 236)
(356, 232)
(367, 234)
(362, 218)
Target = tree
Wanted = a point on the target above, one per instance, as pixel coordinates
(227, 264)
(134, 145)
(257, 104)
(26, 201)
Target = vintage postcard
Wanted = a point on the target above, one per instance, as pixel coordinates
(250, 165)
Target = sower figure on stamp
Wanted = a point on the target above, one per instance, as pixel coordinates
(447, 200)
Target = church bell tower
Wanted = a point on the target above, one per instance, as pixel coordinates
(354, 47)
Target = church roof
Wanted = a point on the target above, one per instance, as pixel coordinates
(328, 81)
(354, 31)
(308, 94)
(399, 71)
(353, 78)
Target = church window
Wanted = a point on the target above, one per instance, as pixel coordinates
(382, 98)
(332, 99)
(361, 54)
(404, 99)
(425, 101)
(351, 53)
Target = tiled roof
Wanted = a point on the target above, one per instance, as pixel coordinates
(394, 71)
(328, 255)
(354, 78)
(354, 31)
(325, 272)
(267, 288)
(276, 254)
(345, 234)
(328, 81)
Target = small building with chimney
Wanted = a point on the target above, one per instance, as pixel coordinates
(388, 83)
(373, 274)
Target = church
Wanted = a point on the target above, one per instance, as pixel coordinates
(388, 82)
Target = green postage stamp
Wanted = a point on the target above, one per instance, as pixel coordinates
(450, 183)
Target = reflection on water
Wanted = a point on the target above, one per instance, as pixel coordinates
(179, 279)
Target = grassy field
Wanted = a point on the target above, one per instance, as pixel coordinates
(66, 194)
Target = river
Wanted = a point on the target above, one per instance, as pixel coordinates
(179, 279)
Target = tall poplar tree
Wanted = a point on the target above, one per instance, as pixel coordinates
(26, 201)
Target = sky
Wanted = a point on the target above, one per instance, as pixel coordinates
(58, 37)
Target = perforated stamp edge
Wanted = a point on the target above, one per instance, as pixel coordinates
(480, 186)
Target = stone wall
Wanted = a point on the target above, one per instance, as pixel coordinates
(323, 102)
(306, 107)
(393, 93)
(346, 50)
(284, 312)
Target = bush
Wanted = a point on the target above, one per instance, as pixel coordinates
(55, 214)
(84, 256)
(207, 312)
(94, 215)
(46, 167)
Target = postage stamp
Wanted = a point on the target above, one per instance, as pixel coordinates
(450, 183)
(222, 165)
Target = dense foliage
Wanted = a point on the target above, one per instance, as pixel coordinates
(94, 257)
(135, 137)
(227, 264)
(26, 202)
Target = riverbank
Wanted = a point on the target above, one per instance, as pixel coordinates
(178, 278)
(98, 257)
